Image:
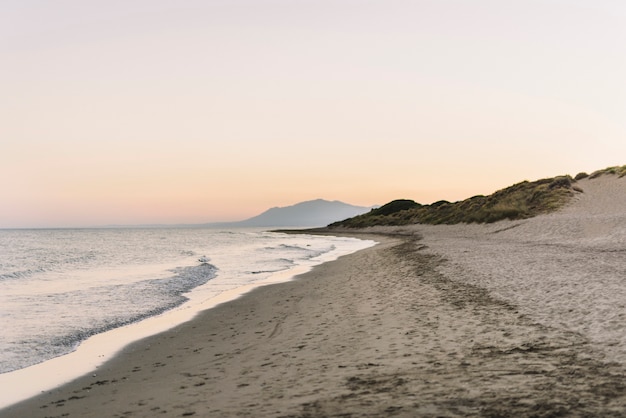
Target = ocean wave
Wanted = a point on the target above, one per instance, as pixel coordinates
(281, 257)
(304, 252)
(106, 308)
(317, 253)
(21, 274)
(81, 259)
(61, 287)
(265, 271)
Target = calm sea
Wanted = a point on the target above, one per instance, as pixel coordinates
(58, 287)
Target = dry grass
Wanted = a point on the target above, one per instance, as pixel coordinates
(617, 170)
(520, 201)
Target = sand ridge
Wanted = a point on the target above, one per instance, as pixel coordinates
(566, 270)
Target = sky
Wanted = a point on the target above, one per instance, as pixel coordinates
(186, 111)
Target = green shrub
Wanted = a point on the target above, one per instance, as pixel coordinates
(395, 206)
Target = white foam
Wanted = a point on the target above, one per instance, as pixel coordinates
(95, 351)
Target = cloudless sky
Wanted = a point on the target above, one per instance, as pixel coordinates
(163, 111)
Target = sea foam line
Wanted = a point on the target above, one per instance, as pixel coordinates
(92, 353)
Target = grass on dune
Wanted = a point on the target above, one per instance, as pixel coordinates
(620, 171)
(520, 201)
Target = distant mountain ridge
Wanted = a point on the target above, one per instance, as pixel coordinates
(311, 213)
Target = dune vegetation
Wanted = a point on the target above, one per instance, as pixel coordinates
(617, 170)
(520, 201)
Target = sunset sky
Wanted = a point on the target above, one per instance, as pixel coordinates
(164, 111)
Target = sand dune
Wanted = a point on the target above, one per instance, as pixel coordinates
(521, 318)
(566, 269)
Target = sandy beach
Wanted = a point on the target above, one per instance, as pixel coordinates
(517, 318)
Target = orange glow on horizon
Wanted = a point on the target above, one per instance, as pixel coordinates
(159, 112)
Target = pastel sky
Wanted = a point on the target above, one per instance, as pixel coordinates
(184, 111)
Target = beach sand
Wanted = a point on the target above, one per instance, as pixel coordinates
(519, 318)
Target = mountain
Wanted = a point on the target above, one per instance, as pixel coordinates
(312, 213)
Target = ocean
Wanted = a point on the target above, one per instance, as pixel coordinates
(59, 287)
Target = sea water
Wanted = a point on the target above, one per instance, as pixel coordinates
(59, 287)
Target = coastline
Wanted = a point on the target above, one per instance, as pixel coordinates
(379, 332)
(25, 383)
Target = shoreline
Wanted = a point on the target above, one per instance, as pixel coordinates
(379, 332)
(100, 348)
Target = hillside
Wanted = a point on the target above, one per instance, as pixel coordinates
(520, 201)
(312, 213)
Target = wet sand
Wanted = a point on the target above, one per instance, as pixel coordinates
(433, 321)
